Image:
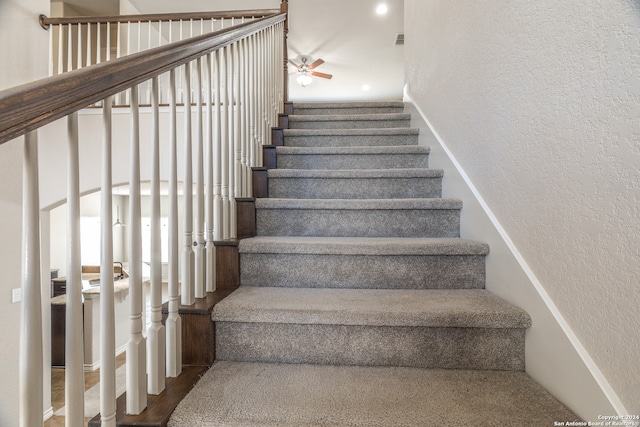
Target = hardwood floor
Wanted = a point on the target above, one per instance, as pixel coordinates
(90, 378)
(57, 390)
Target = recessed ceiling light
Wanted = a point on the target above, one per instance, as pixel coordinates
(366, 87)
(382, 9)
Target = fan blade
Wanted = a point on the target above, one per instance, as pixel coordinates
(314, 64)
(294, 64)
(323, 75)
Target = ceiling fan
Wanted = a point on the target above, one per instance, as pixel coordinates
(306, 71)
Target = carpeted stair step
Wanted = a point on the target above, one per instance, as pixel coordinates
(442, 329)
(286, 395)
(349, 121)
(350, 137)
(361, 262)
(334, 108)
(358, 218)
(355, 183)
(374, 157)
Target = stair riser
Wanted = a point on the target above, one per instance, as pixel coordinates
(348, 124)
(349, 140)
(358, 223)
(353, 161)
(363, 271)
(352, 110)
(420, 347)
(354, 188)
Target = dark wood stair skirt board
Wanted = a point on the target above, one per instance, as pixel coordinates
(160, 407)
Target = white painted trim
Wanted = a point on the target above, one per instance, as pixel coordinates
(90, 367)
(47, 414)
(589, 363)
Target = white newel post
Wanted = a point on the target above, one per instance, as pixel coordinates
(156, 339)
(31, 358)
(173, 323)
(200, 264)
(210, 247)
(107, 316)
(137, 346)
(187, 250)
(74, 350)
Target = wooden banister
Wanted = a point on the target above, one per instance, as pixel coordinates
(155, 17)
(27, 107)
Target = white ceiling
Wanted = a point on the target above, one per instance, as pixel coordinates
(356, 44)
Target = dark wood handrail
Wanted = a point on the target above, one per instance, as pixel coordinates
(45, 21)
(30, 106)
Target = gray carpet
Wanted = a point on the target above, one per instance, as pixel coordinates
(359, 304)
(256, 394)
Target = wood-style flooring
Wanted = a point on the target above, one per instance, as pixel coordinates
(57, 390)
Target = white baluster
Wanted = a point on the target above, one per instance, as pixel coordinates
(89, 50)
(237, 168)
(31, 360)
(209, 153)
(139, 39)
(251, 76)
(242, 118)
(122, 97)
(118, 40)
(224, 126)
(80, 61)
(187, 250)
(148, 83)
(173, 323)
(217, 151)
(74, 350)
(51, 58)
(156, 340)
(107, 316)
(137, 346)
(246, 128)
(260, 100)
(199, 256)
(60, 49)
(127, 94)
(98, 44)
(231, 159)
(69, 48)
(108, 54)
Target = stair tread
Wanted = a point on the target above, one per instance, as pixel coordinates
(356, 173)
(380, 149)
(287, 395)
(352, 104)
(351, 132)
(348, 117)
(469, 308)
(389, 246)
(359, 204)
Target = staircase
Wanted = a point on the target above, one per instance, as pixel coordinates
(359, 302)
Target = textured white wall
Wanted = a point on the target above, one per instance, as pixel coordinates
(540, 104)
(27, 45)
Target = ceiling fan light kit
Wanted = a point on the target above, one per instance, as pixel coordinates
(306, 71)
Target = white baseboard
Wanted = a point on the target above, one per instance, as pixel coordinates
(47, 414)
(555, 357)
(90, 367)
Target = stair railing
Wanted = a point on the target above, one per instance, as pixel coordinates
(237, 79)
(77, 42)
